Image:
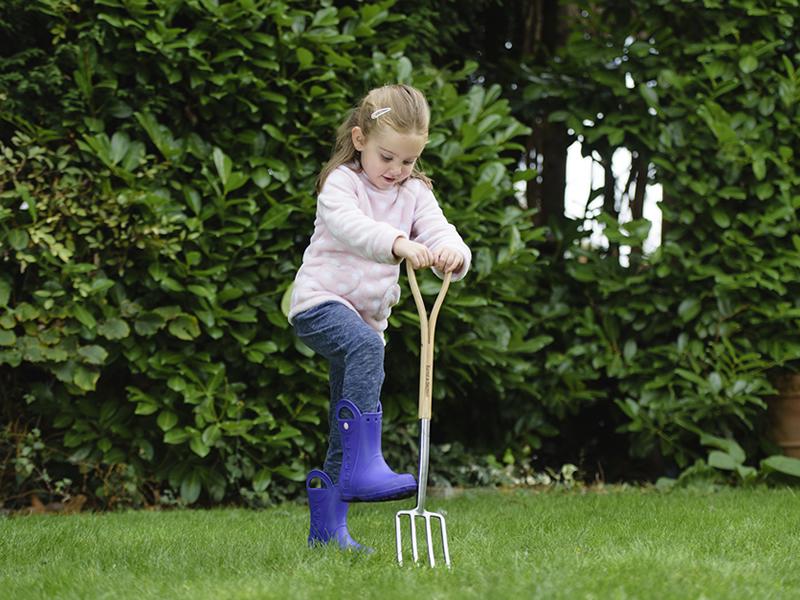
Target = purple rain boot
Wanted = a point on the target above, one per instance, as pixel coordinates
(328, 514)
(365, 476)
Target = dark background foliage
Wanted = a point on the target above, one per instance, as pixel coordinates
(157, 193)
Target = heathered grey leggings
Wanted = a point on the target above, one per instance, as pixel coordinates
(354, 351)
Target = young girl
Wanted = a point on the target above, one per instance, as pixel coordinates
(374, 209)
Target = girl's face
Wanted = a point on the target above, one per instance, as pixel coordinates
(387, 156)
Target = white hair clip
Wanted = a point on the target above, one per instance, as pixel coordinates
(380, 111)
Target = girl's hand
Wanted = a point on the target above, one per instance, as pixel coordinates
(418, 255)
(447, 259)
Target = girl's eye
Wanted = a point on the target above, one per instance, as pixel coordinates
(408, 162)
(386, 158)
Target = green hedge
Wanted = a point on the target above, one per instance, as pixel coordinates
(166, 155)
(685, 341)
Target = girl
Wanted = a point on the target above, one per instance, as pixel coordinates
(374, 209)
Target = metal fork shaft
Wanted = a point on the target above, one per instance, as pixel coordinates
(424, 461)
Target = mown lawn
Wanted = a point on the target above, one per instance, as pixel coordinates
(617, 543)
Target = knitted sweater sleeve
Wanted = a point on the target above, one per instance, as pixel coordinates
(432, 229)
(337, 207)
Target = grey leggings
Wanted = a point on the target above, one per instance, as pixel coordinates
(354, 351)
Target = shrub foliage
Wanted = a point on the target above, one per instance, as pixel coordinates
(157, 192)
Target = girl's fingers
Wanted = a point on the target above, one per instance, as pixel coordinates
(421, 259)
(441, 264)
(443, 259)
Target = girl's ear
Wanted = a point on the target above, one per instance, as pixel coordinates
(359, 139)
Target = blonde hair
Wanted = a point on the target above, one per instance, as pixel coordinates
(409, 114)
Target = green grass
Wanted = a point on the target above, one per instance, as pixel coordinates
(613, 544)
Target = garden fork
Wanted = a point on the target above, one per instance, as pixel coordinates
(427, 327)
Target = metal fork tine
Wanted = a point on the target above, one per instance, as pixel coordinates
(399, 538)
(429, 535)
(445, 549)
(414, 552)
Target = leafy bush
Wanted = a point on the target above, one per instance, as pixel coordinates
(154, 215)
(684, 341)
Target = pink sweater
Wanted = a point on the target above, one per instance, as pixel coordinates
(349, 258)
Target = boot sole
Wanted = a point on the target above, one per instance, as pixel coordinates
(382, 496)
